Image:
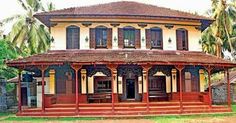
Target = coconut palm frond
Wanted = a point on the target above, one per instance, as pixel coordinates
(10, 19)
(23, 4)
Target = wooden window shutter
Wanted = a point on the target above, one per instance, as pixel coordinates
(179, 40)
(148, 39)
(92, 38)
(72, 37)
(109, 38)
(120, 38)
(137, 39)
(186, 40)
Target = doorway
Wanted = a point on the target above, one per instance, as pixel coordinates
(24, 96)
(130, 87)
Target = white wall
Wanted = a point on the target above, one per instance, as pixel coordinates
(39, 90)
(59, 34)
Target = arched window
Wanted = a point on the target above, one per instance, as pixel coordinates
(182, 39)
(72, 37)
(129, 37)
(156, 38)
(101, 37)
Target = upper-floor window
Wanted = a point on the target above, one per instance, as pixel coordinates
(129, 37)
(156, 38)
(101, 37)
(72, 37)
(182, 39)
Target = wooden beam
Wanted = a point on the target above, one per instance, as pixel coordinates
(180, 68)
(76, 68)
(43, 68)
(113, 68)
(228, 91)
(19, 90)
(146, 68)
(209, 70)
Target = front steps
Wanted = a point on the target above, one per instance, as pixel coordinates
(121, 109)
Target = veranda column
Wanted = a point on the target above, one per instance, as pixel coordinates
(146, 69)
(76, 68)
(180, 68)
(113, 69)
(228, 90)
(43, 68)
(209, 69)
(19, 90)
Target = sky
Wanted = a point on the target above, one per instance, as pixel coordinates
(12, 7)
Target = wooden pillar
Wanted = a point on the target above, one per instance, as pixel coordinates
(180, 68)
(209, 69)
(43, 68)
(228, 90)
(113, 72)
(76, 68)
(19, 90)
(147, 68)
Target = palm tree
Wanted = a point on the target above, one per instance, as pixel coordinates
(27, 32)
(208, 42)
(224, 14)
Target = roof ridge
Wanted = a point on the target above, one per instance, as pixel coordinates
(109, 3)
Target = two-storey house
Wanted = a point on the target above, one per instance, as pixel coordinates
(122, 58)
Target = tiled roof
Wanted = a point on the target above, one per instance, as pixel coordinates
(232, 79)
(123, 57)
(123, 8)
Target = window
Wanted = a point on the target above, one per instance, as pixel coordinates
(188, 82)
(129, 37)
(101, 37)
(72, 37)
(182, 39)
(102, 84)
(156, 38)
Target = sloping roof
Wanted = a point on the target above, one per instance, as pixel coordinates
(123, 8)
(122, 57)
(232, 79)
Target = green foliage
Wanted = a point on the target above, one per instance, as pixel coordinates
(234, 107)
(7, 51)
(219, 36)
(27, 33)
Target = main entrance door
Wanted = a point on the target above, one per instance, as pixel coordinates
(130, 86)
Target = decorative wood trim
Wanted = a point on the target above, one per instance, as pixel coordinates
(199, 28)
(43, 67)
(169, 26)
(53, 24)
(179, 67)
(142, 25)
(76, 67)
(115, 24)
(86, 24)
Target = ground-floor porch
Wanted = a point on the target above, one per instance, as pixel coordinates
(130, 86)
